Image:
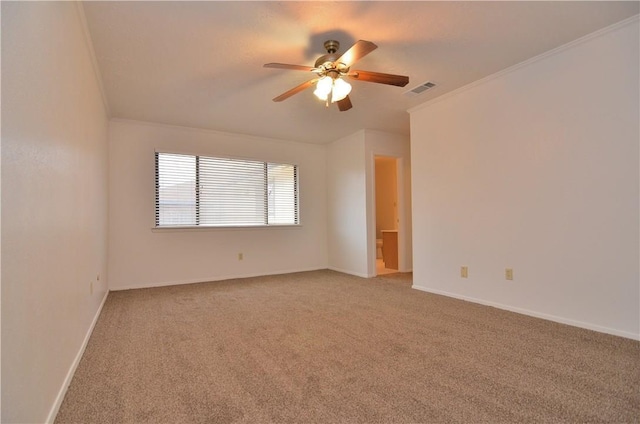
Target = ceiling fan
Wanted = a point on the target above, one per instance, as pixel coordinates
(330, 70)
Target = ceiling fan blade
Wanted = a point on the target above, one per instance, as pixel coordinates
(359, 50)
(380, 78)
(344, 104)
(287, 66)
(295, 90)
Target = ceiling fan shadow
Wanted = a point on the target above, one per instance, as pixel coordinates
(316, 42)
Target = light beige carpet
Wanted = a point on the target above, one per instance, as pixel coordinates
(324, 347)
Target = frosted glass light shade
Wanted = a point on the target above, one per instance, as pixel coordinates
(323, 88)
(338, 88)
(341, 89)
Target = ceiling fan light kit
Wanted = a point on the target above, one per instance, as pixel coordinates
(331, 70)
(332, 88)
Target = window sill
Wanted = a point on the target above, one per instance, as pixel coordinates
(180, 228)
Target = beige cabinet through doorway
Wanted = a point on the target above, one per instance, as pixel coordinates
(390, 248)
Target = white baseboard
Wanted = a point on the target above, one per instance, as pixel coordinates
(72, 370)
(357, 274)
(548, 317)
(207, 279)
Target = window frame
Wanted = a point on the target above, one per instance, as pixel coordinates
(197, 227)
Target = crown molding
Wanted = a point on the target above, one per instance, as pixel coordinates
(528, 62)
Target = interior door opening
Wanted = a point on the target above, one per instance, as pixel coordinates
(386, 213)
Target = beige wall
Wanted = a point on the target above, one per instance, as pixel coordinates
(54, 203)
(386, 195)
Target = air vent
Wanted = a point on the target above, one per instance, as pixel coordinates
(420, 89)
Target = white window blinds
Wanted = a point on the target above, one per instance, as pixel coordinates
(208, 191)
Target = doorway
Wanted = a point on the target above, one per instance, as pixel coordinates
(386, 213)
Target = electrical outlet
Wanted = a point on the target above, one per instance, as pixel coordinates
(240, 256)
(508, 274)
(464, 271)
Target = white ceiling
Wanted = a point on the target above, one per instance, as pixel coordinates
(199, 64)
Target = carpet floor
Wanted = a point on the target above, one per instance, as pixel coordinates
(325, 347)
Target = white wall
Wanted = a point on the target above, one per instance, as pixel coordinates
(378, 143)
(140, 256)
(537, 170)
(54, 203)
(347, 214)
(351, 200)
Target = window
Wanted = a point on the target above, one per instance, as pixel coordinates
(220, 192)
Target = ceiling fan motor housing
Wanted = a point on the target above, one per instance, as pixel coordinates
(331, 46)
(326, 61)
(329, 62)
